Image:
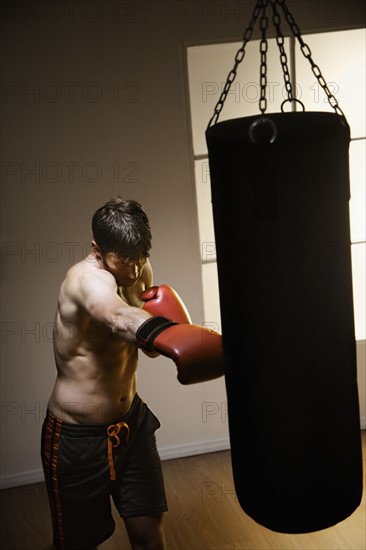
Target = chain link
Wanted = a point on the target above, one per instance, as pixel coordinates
(307, 53)
(240, 54)
(263, 48)
(281, 46)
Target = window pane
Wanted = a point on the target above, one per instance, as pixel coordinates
(340, 57)
(359, 278)
(211, 297)
(358, 195)
(204, 207)
(208, 68)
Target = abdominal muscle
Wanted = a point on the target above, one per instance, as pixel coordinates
(96, 379)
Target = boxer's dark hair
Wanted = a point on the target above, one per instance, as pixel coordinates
(122, 227)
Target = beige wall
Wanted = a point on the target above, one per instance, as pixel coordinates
(108, 115)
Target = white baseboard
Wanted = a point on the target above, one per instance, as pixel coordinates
(24, 478)
(199, 448)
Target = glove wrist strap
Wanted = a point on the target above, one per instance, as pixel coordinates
(150, 329)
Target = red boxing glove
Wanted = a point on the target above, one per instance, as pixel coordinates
(196, 351)
(164, 301)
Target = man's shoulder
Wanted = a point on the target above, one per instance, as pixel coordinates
(86, 269)
(88, 278)
(82, 281)
(82, 273)
(75, 273)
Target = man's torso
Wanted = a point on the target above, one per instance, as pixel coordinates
(96, 369)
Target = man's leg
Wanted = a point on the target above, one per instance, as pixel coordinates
(146, 532)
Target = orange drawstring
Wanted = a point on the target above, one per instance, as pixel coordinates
(113, 441)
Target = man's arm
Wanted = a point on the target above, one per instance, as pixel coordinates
(147, 275)
(97, 293)
(132, 294)
(147, 282)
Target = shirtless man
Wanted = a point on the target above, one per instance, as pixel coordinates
(98, 438)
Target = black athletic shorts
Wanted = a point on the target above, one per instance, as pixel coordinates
(85, 465)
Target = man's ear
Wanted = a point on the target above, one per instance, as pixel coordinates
(96, 250)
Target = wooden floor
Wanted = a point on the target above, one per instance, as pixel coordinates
(204, 515)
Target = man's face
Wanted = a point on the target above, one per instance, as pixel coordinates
(126, 272)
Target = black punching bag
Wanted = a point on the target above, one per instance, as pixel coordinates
(282, 232)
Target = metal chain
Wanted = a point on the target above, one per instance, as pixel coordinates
(307, 53)
(261, 5)
(263, 48)
(280, 43)
(238, 59)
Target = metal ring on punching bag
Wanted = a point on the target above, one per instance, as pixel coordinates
(292, 101)
(263, 131)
